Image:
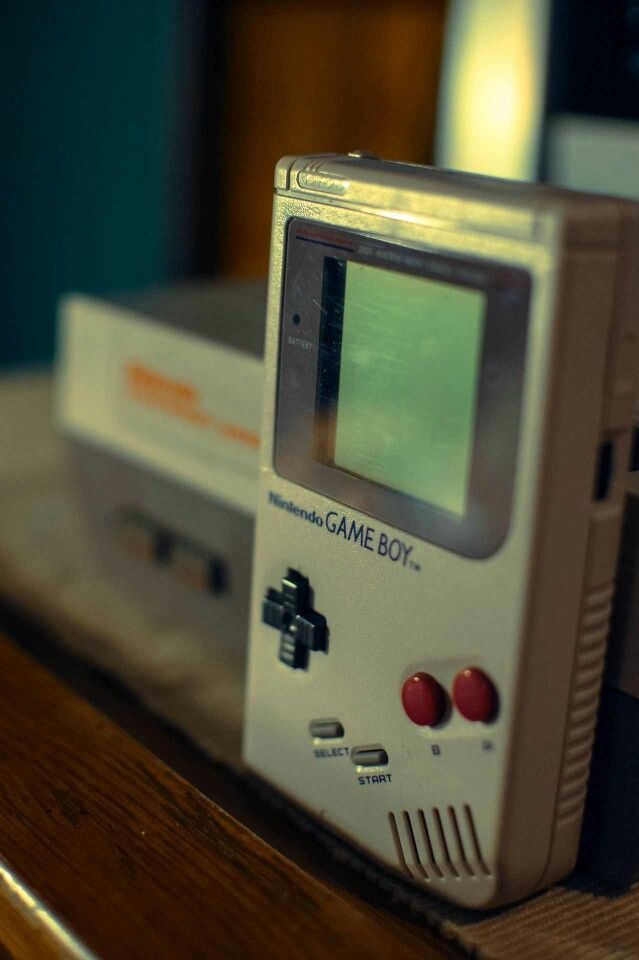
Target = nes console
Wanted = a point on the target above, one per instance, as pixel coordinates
(159, 397)
(449, 387)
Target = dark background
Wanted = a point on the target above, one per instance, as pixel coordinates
(139, 138)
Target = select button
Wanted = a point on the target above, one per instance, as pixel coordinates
(326, 729)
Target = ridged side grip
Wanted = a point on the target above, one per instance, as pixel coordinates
(583, 703)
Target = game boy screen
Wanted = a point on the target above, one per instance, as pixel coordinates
(406, 386)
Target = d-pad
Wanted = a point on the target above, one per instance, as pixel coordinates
(301, 628)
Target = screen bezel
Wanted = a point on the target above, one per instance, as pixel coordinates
(482, 528)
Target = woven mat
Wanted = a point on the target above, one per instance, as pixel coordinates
(47, 567)
(561, 923)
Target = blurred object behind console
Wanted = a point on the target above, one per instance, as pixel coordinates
(159, 396)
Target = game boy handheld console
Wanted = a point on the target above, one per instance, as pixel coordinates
(449, 387)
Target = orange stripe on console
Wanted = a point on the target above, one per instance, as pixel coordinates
(145, 385)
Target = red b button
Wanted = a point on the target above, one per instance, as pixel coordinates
(474, 695)
(423, 700)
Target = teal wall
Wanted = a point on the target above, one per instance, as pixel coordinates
(90, 115)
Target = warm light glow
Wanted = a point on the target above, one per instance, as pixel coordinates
(490, 107)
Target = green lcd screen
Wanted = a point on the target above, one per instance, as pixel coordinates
(407, 389)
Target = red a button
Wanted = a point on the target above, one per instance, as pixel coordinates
(474, 695)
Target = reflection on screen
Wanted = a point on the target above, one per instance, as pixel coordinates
(408, 376)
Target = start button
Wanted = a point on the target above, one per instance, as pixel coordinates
(423, 700)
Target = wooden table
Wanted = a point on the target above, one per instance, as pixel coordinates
(108, 852)
(138, 845)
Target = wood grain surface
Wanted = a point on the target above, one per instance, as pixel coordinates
(107, 852)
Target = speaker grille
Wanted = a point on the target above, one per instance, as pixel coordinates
(437, 844)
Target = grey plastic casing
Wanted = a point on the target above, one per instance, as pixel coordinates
(482, 814)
